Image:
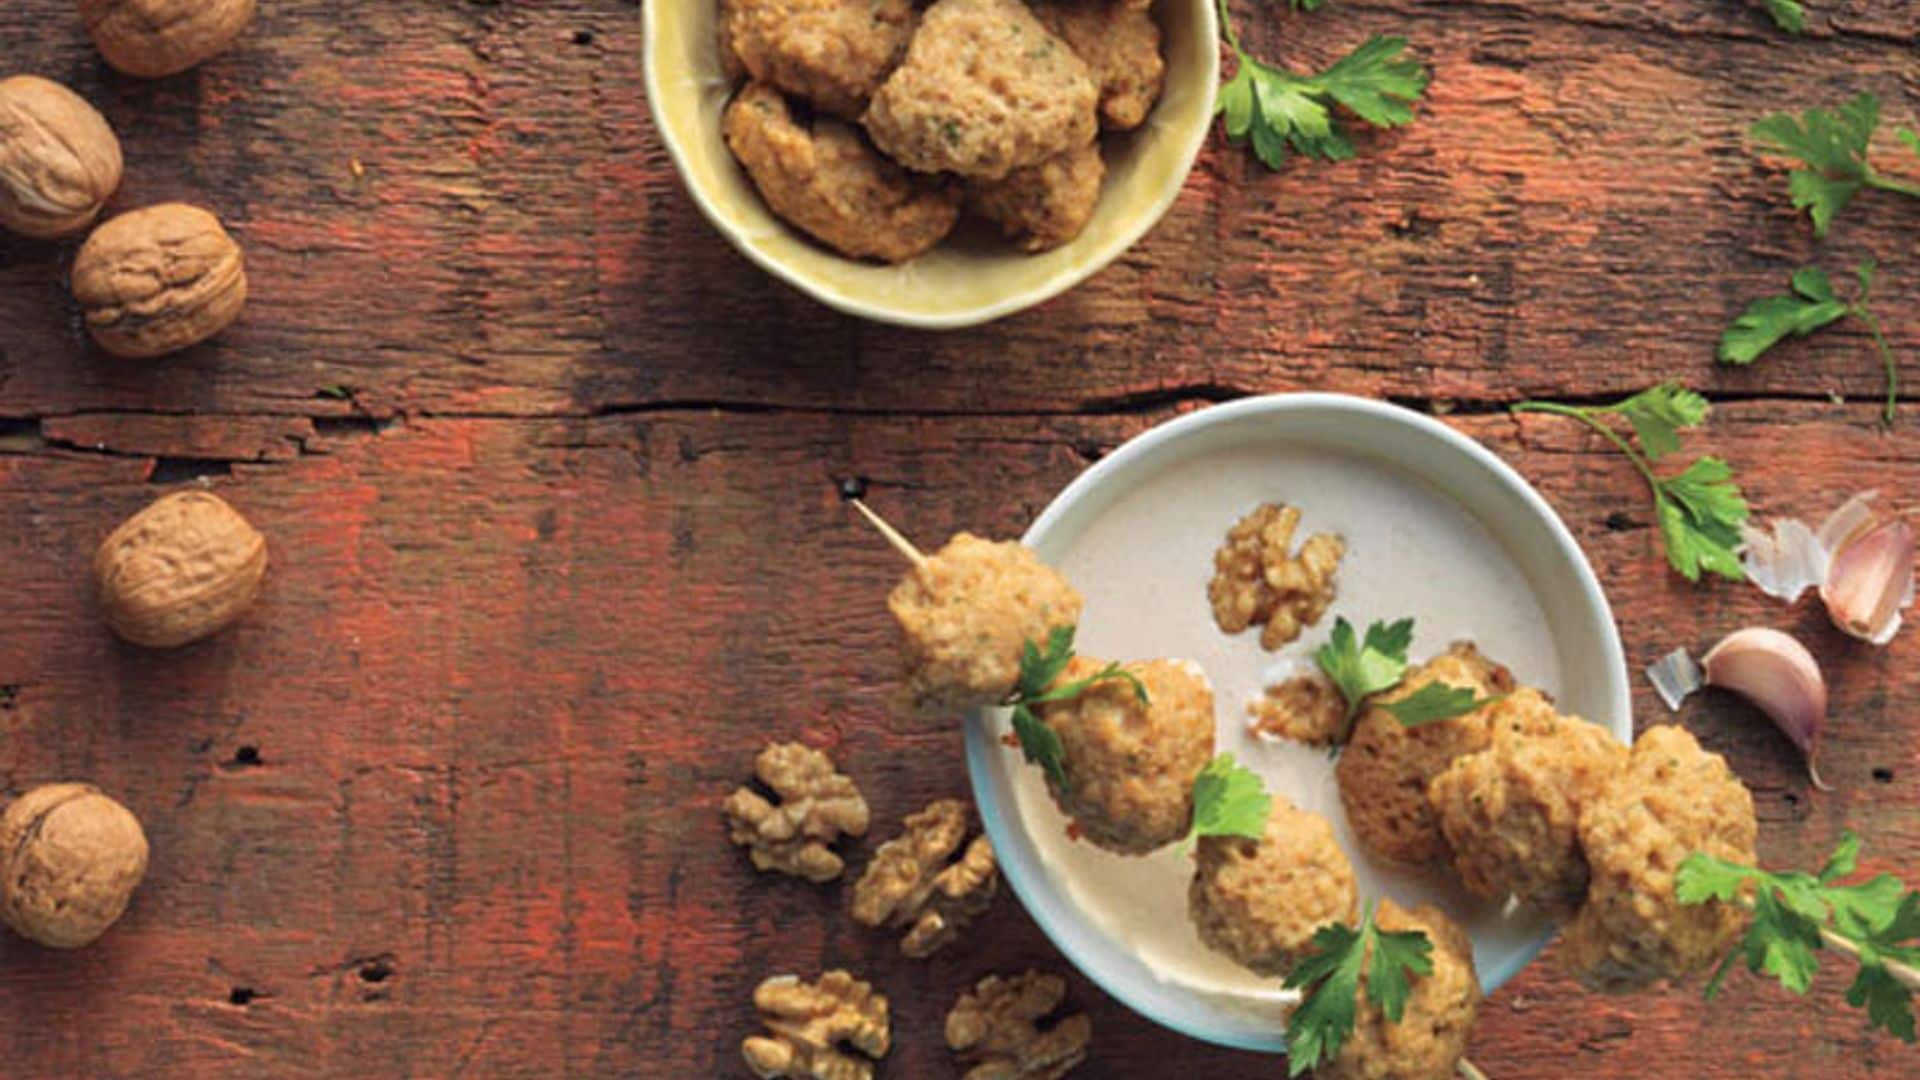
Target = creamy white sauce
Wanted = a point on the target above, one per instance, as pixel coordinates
(1144, 567)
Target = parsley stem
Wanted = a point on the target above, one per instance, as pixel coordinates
(1885, 183)
(1226, 27)
(1585, 416)
(1886, 357)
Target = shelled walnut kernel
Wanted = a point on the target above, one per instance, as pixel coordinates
(994, 1029)
(809, 1022)
(817, 806)
(910, 882)
(1259, 579)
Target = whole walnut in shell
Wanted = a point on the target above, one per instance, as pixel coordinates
(158, 280)
(70, 858)
(157, 38)
(179, 570)
(59, 161)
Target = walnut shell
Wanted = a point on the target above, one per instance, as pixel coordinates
(59, 161)
(181, 569)
(157, 38)
(70, 858)
(158, 280)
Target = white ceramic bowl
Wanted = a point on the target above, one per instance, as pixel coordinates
(963, 282)
(1437, 528)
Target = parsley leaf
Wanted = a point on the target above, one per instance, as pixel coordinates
(1040, 668)
(1330, 975)
(1788, 15)
(1229, 800)
(1831, 146)
(1810, 306)
(1276, 110)
(1436, 701)
(1700, 509)
(1305, 5)
(1362, 668)
(1796, 915)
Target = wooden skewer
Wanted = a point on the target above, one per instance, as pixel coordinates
(1901, 973)
(1469, 1070)
(900, 543)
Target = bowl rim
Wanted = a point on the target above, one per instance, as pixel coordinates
(834, 298)
(1020, 867)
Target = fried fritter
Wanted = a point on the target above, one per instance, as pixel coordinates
(833, 53)
(1121, 44)
(1043, 206)
(985, 89)
(830, 183)
(1260, 901)
(1430, 1037)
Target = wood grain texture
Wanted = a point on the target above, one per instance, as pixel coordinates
(546, 470)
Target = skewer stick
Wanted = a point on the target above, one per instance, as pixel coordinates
(1469, 1070)
(1904, 975)
(900, 543)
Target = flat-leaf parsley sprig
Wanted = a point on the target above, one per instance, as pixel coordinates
(1437, 701)
(1228, 800)
(1810, 306)
(1796, 914)
(1362, 667)
(1038, 669)
(1699, 509)
(1788, 15)
(1330, 977)
(1831, 146)
(1274, 109)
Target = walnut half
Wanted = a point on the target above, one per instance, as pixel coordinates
(1259, 579)
(910, 882)
(994, 1029)
(811, 1025)
(817, 805)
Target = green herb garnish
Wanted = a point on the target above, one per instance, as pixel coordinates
(1038, 671)
(1330, 977)
(1796, 914)
(1831, 146)
(1229, 800)
(1436, 701)
(1274, 109)
(1364, 667)
(1700, 509)
(1788, 15)
(1810, 306)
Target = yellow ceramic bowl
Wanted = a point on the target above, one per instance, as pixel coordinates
(968, 280)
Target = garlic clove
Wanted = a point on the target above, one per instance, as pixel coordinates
(1871, 581)
(1781, 678)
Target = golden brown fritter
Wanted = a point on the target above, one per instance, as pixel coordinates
(1386, 767)
(1121, 44)
(1671, 800)
(1043, 206)
(1511, 812)
(1431, 1036)
(1260, 901)
(1306, 708)
(985, 89)
(1130, 767)
(833, 53)
(829, 183)
(966, 615)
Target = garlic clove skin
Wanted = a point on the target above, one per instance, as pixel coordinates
(1871, 581)
(1781, 678)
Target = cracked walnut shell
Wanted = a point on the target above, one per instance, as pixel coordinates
(158, 280)
(817, 805)
(70, 858)
(59, 161)
(809, 1023)
(1259, 579)
(994, 1029)
(156, 38)
(911, 883)
(184, 568)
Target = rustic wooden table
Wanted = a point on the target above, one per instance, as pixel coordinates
(547, 473)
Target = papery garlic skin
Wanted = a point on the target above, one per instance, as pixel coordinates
(1781, 678)
(1871, 581)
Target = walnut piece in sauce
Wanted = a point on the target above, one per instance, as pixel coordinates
(817, 806)
(1306, 709)
(1258, 579)
(994, 1029)
(912, 883)
(811, 1026)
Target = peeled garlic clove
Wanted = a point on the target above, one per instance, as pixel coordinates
(1870, 581)
(1781, 678)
